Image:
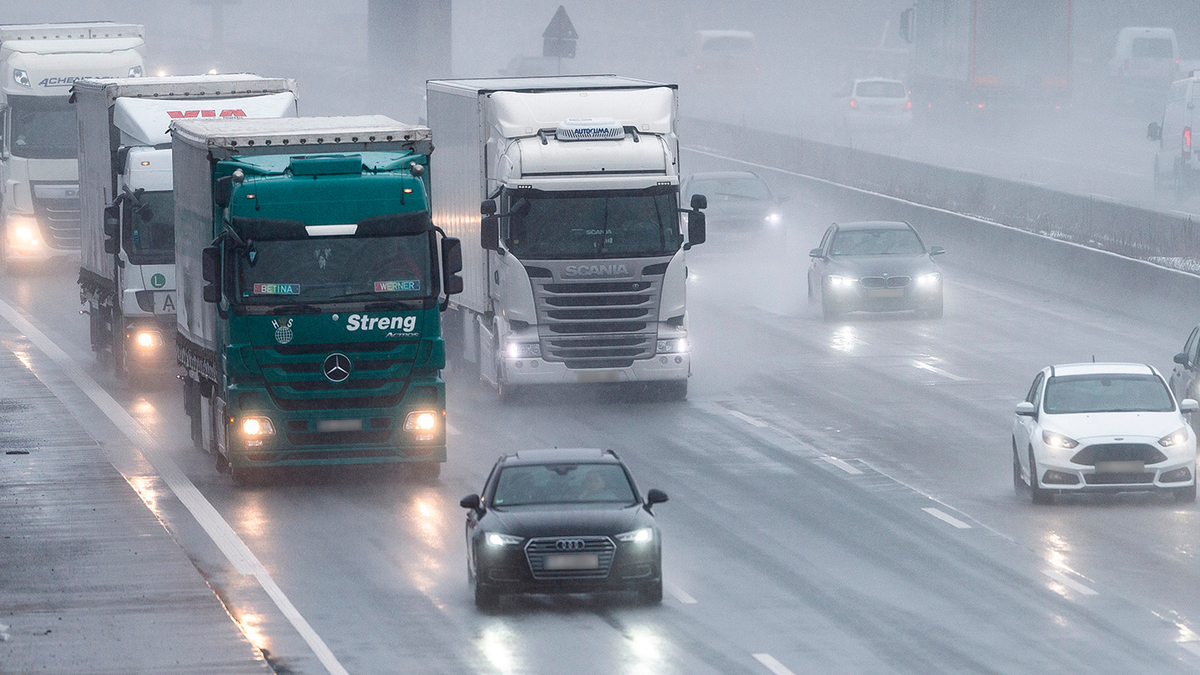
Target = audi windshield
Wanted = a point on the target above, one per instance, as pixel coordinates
(591, 225)
(563, 484)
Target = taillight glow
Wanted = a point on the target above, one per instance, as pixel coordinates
(853, 103)
(908, 105)
(1187, 142)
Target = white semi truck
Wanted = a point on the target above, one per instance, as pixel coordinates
(127, 221)
(565, 192)
(39, 172)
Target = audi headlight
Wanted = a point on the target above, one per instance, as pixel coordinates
(638, 536)
(524, 350)
(673, 346)
(135, 71)
(497, 539)
(1177, 437)
(838, 282)
(21, 77)
(929, 279)
(1058, 440)
(258, 426)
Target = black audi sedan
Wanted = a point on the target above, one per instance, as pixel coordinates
(875, 266)
(562, 521)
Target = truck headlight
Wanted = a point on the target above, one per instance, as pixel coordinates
(22, 230)
(258, 427)
(672, 346)
(21, 77)
(423, 424)
(148, 338)
(639, 536)
(524, 350)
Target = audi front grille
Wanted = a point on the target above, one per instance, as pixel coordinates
(537, 550)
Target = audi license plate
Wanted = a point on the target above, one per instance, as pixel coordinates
(1121, 467)
(574, 561)
(886, 293)
(598, 376)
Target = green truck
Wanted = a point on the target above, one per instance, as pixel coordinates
(311, 281)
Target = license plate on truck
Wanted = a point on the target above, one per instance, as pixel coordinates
(575, 561)
(598, 376)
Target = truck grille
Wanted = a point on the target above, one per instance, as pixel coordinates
(537, 550)
(57, 209)
(590, 324)
(379, 375)
(1119, 452)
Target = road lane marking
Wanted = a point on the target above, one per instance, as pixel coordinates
(680, 594)
(235, 550)
(452, 430)
(1069, 582)
(748, 419)
(842, 465)
(938, 371)
(1193, 647)
(772, 664)
(946, 518)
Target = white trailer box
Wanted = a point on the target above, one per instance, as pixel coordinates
(197, 144)
(125, 159)
(588, 141)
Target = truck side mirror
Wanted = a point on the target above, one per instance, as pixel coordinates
(210, 268)
(112, 228)
(1154, 131)
(699, 202)
(489, 233)
(452, 265)
(521, 208)
(222, 190)
(906, 21)
(488, 207)
(696, 226)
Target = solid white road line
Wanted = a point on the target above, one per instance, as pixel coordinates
(946, 518)
(452, 430)
(1193, 647)
(1069, 582)
(938, 371)
(746, 418)
(772, 664)
(842, 465)
(239, 555)
(680, 594)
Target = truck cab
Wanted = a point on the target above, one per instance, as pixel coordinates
(39, 170)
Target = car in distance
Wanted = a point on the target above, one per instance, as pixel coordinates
(1102, 427)
(875, 266)
(741, 207)
(876, 103)
(562, 521)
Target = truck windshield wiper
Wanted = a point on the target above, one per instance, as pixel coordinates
(290, 306)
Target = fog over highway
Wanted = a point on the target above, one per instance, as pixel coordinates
(841, 496)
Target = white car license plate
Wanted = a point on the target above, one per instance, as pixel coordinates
(598, 376)
(1120, 467)
(886, 293)
(339, 425)
(574, 561)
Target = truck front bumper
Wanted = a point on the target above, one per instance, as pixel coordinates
(660, 368)
(24, 241)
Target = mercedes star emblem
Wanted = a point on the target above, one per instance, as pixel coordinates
(337, 367)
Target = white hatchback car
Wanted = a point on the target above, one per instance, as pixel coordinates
(876, 104)
(1105, 427)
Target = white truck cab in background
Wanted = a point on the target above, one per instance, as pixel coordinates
(1176, 164)
(565, 193)
(39, 169)
(127, 266)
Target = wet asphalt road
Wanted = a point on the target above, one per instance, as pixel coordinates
(840, 494)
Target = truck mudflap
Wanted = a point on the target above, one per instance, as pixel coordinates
(199, 363)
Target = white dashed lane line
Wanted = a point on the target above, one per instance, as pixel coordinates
(747, 419)
(1069, 582)
(772, 664)
(842, 465)
(946, 518)
(680, 594)
(1193, 647)
(938, 371)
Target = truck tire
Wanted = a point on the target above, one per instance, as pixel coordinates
(117, 344)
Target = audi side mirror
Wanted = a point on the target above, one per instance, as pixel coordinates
(1025, 409)
(655, 496)
(473, 502)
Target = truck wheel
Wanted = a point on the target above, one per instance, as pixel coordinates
(117, 342)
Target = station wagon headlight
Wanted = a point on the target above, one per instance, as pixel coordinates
(839, 282)
(1058, 440)
(1177, 437)
(524, 350)
(497, 539)
(675, 346)
(638, 536)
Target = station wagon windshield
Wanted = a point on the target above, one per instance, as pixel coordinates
(563, 484)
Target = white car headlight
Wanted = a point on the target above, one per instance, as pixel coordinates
(929, 279)
(639, 536)
(497, 539)
(674, 346)
(1177, 437)
(836, 281)
(524, 350)
(1058, 440)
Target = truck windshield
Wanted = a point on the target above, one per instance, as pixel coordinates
(43, 127)
(150, 239)
(332, 269)
(599, 224)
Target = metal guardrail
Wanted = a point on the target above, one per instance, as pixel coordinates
(1169, 239)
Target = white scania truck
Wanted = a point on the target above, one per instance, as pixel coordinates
(565, 193)
(39, 172)
(127, 272)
